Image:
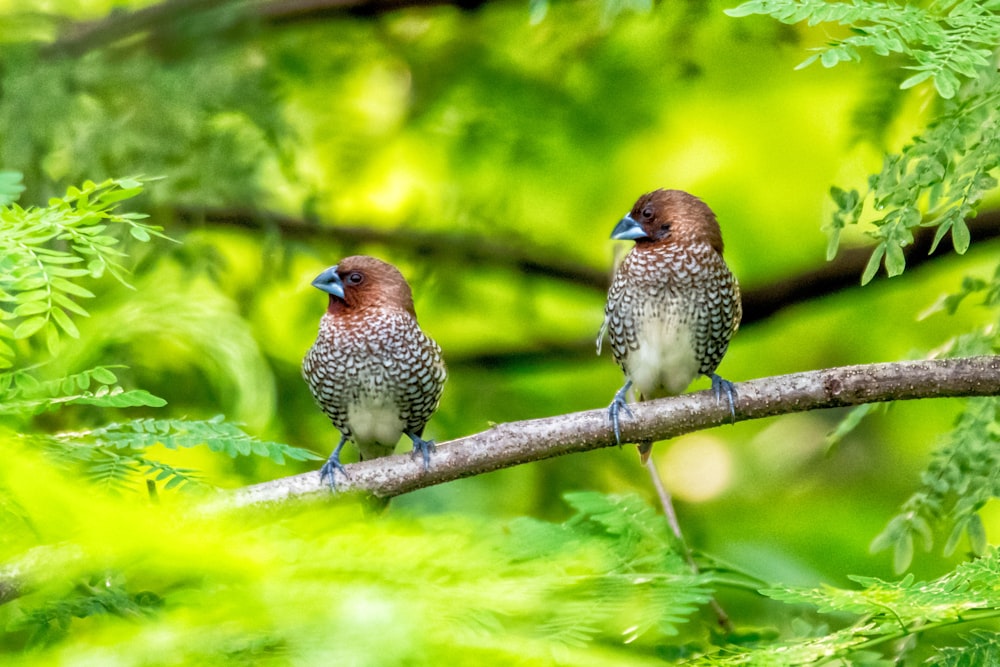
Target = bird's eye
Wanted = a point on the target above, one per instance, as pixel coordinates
(354, 278)
(647, 212)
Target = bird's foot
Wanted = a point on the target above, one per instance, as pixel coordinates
(330, 469)
(333, 466)
(618, 404)
(720, 385)
(424, 448)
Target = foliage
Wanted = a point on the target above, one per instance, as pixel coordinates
(338, 589)
(940, 178)
(502, 130)
(44, 249)
(885, 611)
(944, 41)
(42, 246)
(937, 180)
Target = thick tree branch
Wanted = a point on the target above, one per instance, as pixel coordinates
(514, 443)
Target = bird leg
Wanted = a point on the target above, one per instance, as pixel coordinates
(617, 405)
(333, 464)
(720, 385)
(424, 447)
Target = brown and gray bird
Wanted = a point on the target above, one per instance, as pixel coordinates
(372, 369)
(673, 304)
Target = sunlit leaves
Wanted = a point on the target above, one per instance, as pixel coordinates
(115, 456)
(22, 395)
(946, 42)
(46, 252)
(645, 574)
(959, 481)
(10, 187)
(982, 648)
(886, 611)
(938, 179)
(216, 434)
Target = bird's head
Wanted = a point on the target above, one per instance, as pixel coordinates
(669, 216)
(360, 282)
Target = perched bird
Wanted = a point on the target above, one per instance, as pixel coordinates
(673, 304)
(372, 370)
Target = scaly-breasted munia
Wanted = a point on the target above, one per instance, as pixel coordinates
(673, 304)
(372, 369)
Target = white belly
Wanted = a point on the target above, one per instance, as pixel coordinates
(375, 426)
(665, 362)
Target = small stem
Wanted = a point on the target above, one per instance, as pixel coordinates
(668, 509)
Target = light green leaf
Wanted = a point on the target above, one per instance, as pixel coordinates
(29, 327)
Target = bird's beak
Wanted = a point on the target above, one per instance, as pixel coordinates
(628, 229)
(330, 282)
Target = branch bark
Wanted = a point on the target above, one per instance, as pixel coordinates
(514, 443)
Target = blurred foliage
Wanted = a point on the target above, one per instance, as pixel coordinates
(523, 130)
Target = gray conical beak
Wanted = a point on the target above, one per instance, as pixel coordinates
(330, 282)
(628, 229)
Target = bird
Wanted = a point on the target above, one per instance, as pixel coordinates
(372, 370)
(673, 304)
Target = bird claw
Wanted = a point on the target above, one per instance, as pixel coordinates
(424, 447)
(333, 465)
(720, 385)
(330, 469)
(617, 405)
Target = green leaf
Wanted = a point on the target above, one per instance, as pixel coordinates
(64, 321)
(873, 264)
(895, 261)
(29, 326)
(103, 375)
(977, 535)
(11, 187)
(960, 237)
(917, 78)
(903, 553)
(139, 233)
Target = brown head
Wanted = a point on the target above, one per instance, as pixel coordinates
(360, 282)
(670, 216)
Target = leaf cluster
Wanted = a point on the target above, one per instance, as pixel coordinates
(885, 611)
(47, 250)
(644, 588)
(944, 41)
(50, 622)
(958, 482)
(936, 181)
(939, 179)
(117, 455)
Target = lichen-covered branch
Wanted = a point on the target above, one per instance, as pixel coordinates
(514, 443)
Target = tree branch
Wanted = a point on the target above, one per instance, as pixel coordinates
(759, 302)
(514, 443)
(474, 249)
(79, 38)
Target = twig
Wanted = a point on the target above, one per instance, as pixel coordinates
(514, 443)
(722, 618)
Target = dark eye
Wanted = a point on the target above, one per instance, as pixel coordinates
(647, 212)
(354, 278)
